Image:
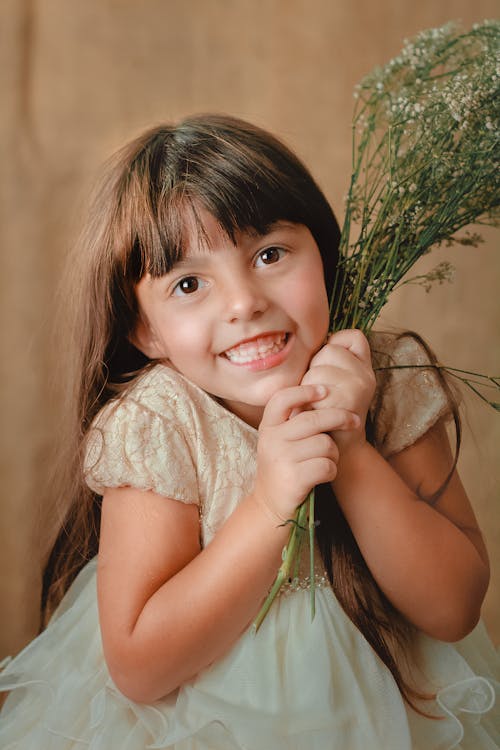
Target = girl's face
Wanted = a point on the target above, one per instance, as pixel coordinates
(240, 321)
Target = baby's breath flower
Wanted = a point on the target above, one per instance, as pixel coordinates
(426, 135)
(424, 163)
(443, 272)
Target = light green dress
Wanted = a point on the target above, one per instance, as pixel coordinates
(296, 684)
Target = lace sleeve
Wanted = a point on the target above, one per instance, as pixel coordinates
(410, 398)
(131, 445)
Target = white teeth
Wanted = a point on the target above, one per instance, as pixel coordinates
(257, 349)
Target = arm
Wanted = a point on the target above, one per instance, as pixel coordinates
(168, 609)
(429, 560)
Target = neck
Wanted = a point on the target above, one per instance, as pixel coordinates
(250, 414)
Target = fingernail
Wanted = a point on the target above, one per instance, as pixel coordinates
(321, 391)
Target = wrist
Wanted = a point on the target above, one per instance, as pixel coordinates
(353, 458)
(267, 509)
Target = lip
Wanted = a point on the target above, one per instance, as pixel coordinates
(261, 335)
(264, 363)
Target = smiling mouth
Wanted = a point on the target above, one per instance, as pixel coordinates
(257, 349)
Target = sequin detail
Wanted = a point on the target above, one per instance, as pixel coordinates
(304, 584)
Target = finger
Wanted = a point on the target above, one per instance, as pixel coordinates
(332, 355)
(336, 356)
(353, 340)
(328, 375)
(315, 446)
(343, 385)
(318, 471)
(283, 403)
(314, 422)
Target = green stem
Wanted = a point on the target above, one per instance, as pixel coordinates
(311, 554)
(289, 556)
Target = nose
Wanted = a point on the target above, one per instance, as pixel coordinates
(243, 298)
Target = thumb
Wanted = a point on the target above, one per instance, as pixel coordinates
(353, 340)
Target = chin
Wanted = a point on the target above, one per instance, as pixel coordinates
(261, 396)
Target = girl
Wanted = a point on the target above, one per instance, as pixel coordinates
(206, 405)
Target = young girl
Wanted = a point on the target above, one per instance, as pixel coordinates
(207, 403)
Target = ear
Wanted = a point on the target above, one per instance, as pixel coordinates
(144, 339)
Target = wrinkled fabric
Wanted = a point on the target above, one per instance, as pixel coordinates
(293, 685)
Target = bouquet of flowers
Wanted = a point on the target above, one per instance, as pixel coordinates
(426, 131)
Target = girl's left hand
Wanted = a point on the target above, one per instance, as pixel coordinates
(344, 366)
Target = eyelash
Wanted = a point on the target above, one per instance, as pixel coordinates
(280, 250)
(177, 291)
(177, 288)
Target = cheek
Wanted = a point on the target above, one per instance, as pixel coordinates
(320, 320)
(309, 298)
(185, 337)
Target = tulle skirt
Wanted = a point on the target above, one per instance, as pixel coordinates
(294, 685)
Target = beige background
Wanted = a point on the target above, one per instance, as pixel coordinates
(80, 77)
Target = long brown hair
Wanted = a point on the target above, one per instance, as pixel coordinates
(246, 179)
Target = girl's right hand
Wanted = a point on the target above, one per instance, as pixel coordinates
(294, 451)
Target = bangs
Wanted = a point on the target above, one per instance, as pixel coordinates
(244, 177)
(241, 198)
(245, 190)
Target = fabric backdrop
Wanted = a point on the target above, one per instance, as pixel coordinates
(79, 78)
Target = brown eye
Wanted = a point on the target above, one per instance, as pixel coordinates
(187, 285)
(270, 255)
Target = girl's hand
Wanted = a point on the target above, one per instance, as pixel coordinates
(344, 366)
(295, 451)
